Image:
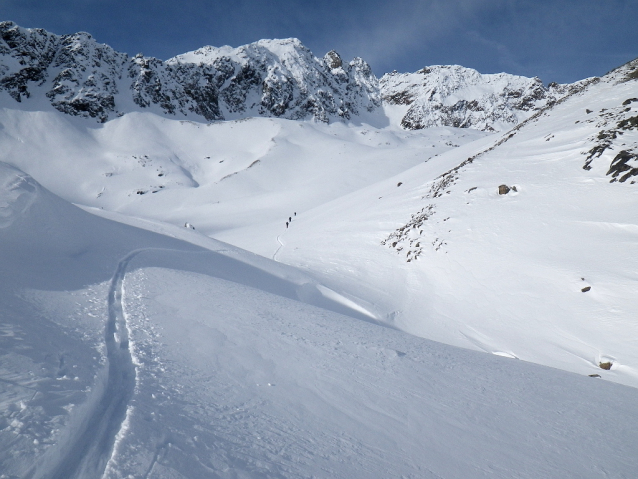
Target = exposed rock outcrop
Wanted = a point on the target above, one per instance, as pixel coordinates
(272, 78)
(451, 95)
(278, 78)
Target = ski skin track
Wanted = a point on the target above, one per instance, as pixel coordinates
(274, 256)
(92, 448)
(91, 452)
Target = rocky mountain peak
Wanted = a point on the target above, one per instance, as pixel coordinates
(279, 78)
(452, 95)
(275, 78)
(333, 60)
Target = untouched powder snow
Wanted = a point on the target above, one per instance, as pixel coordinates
(235, 377)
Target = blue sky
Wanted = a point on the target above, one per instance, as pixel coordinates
(559, 40)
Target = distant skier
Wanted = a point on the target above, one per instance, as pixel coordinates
(286, 224)
(290, 219)
(295, 213)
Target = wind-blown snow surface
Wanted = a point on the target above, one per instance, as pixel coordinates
(142, 355)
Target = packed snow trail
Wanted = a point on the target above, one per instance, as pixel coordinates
(90, 451)
(281, 245)
(92, 448)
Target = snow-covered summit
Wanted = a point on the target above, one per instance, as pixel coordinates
(452, 95)
(283, 78)
(273, 78)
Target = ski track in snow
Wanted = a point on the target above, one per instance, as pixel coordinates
(281, 245)
(93, 447)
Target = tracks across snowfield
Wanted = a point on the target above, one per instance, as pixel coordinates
(281, 245)
(90, 447)
(86, 455)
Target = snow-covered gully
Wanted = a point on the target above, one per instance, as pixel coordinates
(93, 445)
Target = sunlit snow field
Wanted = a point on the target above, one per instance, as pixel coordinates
(175, 327)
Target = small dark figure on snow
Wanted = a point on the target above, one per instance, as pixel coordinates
(290, 219)
(295, 213)
(286, 224)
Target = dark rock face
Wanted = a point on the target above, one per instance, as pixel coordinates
(272, 78)
(281, 78)
(333, 60)
(277, 78)
(615, 123)
(30, 53)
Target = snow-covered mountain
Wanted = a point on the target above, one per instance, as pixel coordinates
(259, 297)
(278, 78)
(521, 244)
(282, 78)
(451, 95)
(272, 78)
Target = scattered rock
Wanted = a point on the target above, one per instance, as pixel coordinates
(585, 289)
(399, 183)
(621, 164)
(503, 189)
(595, 376)
(514, 189)
(606, 365)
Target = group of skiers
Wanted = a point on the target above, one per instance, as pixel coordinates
(290, 219)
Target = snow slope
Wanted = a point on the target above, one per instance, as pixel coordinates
(501, 274)
(133, 344)
(444, 256)
(221, 176)
(145, 355)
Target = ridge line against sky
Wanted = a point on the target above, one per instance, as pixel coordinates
(557, 41)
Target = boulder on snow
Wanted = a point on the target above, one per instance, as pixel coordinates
(503, 189)
(606, 365)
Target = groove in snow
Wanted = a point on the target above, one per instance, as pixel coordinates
(92, 447)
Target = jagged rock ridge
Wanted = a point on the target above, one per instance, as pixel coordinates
(283, 78)
(273, 78)
(278, 78)
(451, 95)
